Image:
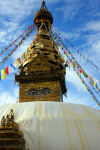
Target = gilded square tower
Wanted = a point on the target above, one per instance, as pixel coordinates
(42, 73)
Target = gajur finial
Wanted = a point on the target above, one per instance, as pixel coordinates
(43, 5)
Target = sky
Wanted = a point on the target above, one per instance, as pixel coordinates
(78, 21)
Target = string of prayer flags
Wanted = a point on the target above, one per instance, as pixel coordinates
(84, 57)
(5, 49)
(3, 61)
(87, 87)
(11, 67)
(80, 69)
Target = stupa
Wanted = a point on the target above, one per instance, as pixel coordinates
(48, 123)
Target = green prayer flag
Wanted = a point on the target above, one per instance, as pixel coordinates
(27, 51)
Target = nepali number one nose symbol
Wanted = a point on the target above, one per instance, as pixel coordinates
(34, 92)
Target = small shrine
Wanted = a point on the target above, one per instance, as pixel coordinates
(42, 73)
(10, 136)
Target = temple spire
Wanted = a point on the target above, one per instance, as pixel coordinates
(43, 5)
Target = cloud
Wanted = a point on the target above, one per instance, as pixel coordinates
(73, 97)
(92, 25)
(72, 77)
(17, 9)
(69, 9)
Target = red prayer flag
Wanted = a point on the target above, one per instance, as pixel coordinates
(19, 60)
(7, 72)
(67, 62)
(33, 41)
(28, 49)
(24, 54)
(64, 52)
(80, 71)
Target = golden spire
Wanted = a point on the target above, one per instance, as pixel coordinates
(43, 5)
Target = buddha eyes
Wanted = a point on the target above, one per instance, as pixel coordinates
(34, 92)
(45, 92)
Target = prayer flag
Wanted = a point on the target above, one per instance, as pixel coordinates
(94, 83)
(67, 62)
(19, 60)
(84, 74)
(64, 52)
(67, 54)
(13, 67)
(27, 51)
(80, 71)
(7, 71)
(15, 63)
(23, 56)
(30, 47)
(3, 74)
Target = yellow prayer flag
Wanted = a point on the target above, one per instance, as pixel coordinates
(88, 75)
(67, 54)
(72, 64)
(17, 62)
(23, 56)
(36, 36)
(3, 74)
(94, 83)
(30, 47)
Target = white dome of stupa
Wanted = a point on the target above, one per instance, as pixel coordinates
(56, 125)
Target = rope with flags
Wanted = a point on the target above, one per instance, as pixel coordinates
(15, 64)
(19, 44)
(80, 53)
(5, 49)
(93, 83)
(75, 64)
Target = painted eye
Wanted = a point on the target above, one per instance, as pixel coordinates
(32, 93)
(45, 92)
